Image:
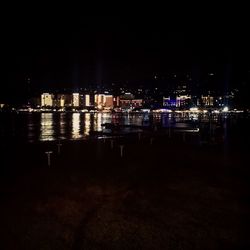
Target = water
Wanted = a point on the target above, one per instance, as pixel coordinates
(34, 127)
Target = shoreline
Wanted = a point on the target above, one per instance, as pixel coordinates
(161, 193)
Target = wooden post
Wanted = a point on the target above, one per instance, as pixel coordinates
(139, 136)
(59, 147)
(112, 144)
(184, 136)
(151, 140)
(121, 150)
(48, 156)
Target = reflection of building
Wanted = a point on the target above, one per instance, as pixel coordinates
(76, 100)
(87, 124)
(76, 126)
(47, 128)
(47, 100)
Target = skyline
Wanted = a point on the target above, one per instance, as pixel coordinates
(57, 54)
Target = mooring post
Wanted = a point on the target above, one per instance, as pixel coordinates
(48, 157)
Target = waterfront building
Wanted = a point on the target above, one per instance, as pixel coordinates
(116, 101)
(87, 100)
(109, 101)
(47, 100)
(75, 100)
(182, 100)
(207, 101)
(99, 100)
(133, 103)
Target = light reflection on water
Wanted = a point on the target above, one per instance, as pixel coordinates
(87, 124)
(47, 131)
(62, 125)
(83, 123)
(98, 121)
(31, 128)
(75, 126)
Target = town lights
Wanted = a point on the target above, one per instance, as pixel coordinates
(194, 109)
(225, 109)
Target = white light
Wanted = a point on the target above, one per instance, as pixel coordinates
(194, 109)
(225, 109)
(145, 110)
(87, 100)
(216, 111)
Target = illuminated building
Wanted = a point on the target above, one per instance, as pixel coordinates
(134, 103)
(99, 100)
(109, 102)
(47, 100)
(116, 101)
(207, 101)
(87, 100)
(60, 100)
(182, 100)
(128, 101)
(125, 103)
(127, 96)
(76, 100)
(166, 102)
(96, 99)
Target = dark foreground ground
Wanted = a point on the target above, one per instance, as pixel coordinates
(169, 195)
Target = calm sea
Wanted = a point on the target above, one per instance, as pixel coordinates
(71, 126)
(33, 127)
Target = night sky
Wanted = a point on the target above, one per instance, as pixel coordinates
(73, 52)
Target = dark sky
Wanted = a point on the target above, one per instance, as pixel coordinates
(73, 51)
